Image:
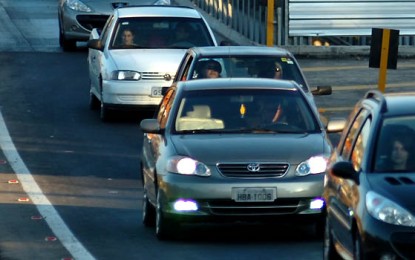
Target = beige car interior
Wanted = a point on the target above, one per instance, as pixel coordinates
(197, 119)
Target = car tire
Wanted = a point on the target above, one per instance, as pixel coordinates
(319, 228)
(104, 113)
(94, 103)
(357, 247)
(165, 227)
(329, 250)
(149, 212)
(66, 45)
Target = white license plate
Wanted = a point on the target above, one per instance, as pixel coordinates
(156, 91)
(254, 194)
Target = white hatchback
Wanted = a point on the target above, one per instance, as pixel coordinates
(138, 52)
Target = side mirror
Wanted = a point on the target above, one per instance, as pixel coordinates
(225, 43)
(345, 170)
(322, 91)
(336, 125)
(95, 44)
(150, 125)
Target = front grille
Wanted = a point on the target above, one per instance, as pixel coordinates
(90, 22)
(156, 76)
(241, 170)
(232, 208)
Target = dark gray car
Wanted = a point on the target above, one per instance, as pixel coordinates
(233, 149)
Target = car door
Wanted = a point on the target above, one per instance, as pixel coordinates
(154, 145)
(345, 197)
(95, 57)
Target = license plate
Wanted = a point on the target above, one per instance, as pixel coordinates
(254, 194)
(156, 91)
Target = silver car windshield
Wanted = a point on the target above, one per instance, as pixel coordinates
(244, 111)
(160, 32)
(395, 150)
(233, 66)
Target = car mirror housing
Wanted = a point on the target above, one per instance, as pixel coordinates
(322, 91)
(95, 44)
(336, 125)
(345, 170)
(150, 126)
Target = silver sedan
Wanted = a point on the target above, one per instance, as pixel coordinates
(77, 18)
(233, 149)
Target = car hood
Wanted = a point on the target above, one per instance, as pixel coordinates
(106, 6)
(148, 60)
(396, 187)
(212, 148)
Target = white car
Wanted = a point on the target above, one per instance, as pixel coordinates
(138, 53)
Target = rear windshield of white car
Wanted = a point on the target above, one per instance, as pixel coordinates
(160, 32)
(245, 111)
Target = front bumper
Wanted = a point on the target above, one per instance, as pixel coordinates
(214, 198)
(381, 239)
(131, 93)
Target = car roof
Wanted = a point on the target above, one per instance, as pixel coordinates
(237, 83)
(240, 50)
(400, 103)
(157, 10)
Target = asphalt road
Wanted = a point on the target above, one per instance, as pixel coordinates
(88, 171)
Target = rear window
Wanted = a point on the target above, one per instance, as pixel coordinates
(253, 67)
(160, 32)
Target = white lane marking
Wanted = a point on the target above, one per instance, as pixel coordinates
(46, 209)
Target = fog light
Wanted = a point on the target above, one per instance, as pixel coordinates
(317, 203)
(185, 205)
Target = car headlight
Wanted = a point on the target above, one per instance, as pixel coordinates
(125, 75)
(163, 2)
(314, 165)
(79, 6)
(388, 211)
(187, 166)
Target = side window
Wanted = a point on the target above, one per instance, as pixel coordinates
(106, 31)
(187, 59)
(165, 107)
(360, 145)
(352, 133)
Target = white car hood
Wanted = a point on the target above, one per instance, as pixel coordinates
(143, 60)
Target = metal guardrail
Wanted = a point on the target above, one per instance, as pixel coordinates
(313, 22)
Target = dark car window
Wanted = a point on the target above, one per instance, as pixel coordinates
(352, 134)
(259, 111)
(360, 145)
(162, 32)
(395, 148)
(165, 108)
(106, 31)
(253, 67)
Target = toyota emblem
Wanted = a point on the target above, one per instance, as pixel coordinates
(167, 77)
(253, 167)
